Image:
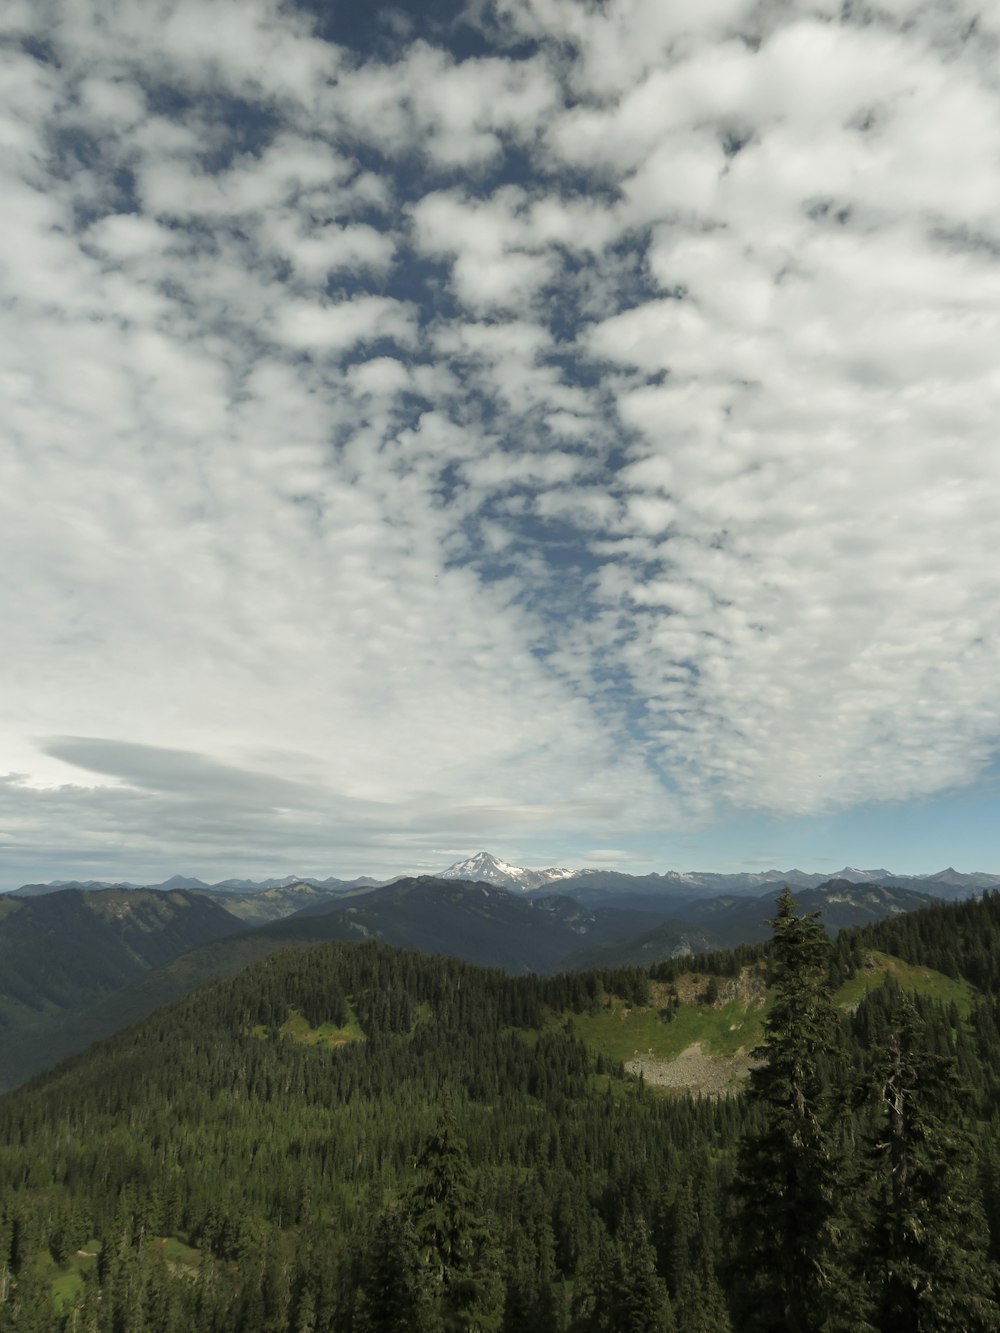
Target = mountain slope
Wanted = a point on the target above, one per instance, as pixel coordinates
(268, 1120)
(256, 907)
(725, 921)
(65, 952)
(480, 923)
(67, 949)
(485, 868)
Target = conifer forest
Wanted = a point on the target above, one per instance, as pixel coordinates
(357, 1139)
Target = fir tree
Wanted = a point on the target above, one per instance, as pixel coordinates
(394, 1299)
(623, 1289)
(453, 1241)
(788, 1274)
(930, 1269)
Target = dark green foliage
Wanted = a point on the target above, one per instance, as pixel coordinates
(464, 1163)
(276, 1159)
(719, 963)
(456, 1258)
(692, 1235)
(928, 1267)
(789, 1270)
(622, 1289)
(394, 1295)
(960, 939)
(63, 950)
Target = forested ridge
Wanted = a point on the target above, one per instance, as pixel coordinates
(354, 1138)
(67, 949)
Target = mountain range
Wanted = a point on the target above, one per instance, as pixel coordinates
(594, 883)
(76, 966)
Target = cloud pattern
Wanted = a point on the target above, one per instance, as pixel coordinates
(578, 415)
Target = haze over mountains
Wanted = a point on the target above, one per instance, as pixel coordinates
(487, 868)
(77, 963)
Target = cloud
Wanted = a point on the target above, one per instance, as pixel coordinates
(597, 429)
(179, 773)
(335, 328)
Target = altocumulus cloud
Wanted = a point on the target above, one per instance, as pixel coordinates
(574, 421)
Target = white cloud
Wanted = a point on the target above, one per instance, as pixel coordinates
(456, 115)
(337, 327)
(318, 379)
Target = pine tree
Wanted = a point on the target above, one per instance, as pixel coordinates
(788, 1272)
(453, 1241)
(641, 1296)
(698, 1301)
(394, 1298)
(621, 1288)
(930, 1269)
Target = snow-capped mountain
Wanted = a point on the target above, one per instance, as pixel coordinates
(491, 870)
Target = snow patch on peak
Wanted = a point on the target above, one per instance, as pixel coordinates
(491, 869)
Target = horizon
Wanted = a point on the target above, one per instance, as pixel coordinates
(133, 882)
(570, 426)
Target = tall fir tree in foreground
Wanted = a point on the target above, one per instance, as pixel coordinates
(788, 1276)
(460, 1270)
(928, 1265)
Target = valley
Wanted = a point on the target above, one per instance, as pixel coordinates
(236, 1159)
(84, 962)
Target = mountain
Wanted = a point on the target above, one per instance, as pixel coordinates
(725, 921)
(479, 922)
(57, 885)
(275, 1150)
(64, 951)
(226, 886)
(486, 868)
(271, 1116)
(256, 906)
(180, 882)
(953, 884)
(590, 886)
(594, 887)
(476, 922)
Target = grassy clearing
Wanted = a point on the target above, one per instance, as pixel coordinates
(65, 1288)
(724, 1030)
(923, 980)
(296, 1028)
(66, 1280)
(327, 1035)
(177, 1253)
(621, 1033)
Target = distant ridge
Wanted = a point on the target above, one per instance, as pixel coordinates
(487, 868)
(236, 886)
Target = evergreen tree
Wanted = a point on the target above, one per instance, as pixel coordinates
(641, 1296)
(455, 1250)
(623, 1289)
(698, 1301)
(788, 1271)
(930, 1269)
(394, 1298)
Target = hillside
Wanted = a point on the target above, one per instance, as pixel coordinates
(260, 906)
(724, 922)
(61, 952)
(480, 923)
(254, 1142)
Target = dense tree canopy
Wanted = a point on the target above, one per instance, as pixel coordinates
(358, 1139)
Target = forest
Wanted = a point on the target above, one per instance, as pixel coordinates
(357, 1139)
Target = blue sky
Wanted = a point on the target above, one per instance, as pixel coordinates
(561, 428)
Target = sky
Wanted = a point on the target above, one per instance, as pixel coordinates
(561, 428)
